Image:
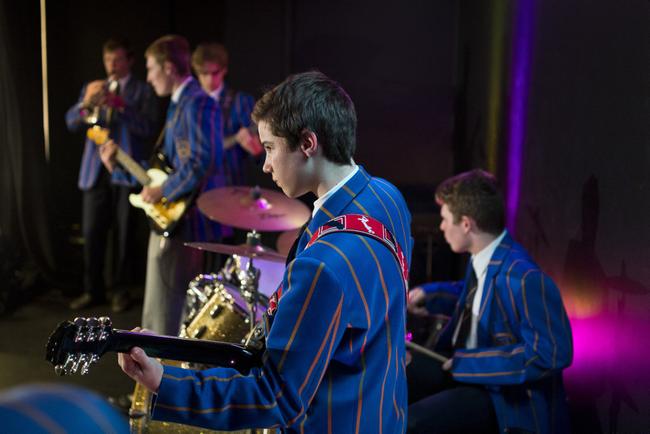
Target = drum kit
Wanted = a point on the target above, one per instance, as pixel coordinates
(226, 306)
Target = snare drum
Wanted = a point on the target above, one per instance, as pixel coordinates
(223, 317)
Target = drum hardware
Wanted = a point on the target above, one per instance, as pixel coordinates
(425, 351)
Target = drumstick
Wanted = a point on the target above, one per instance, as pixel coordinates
(420, 349)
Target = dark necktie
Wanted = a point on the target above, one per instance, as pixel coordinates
(465, 320)
(294, 247)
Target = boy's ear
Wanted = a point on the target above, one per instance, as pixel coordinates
(467, 223)
(168, 67)
(308, 143)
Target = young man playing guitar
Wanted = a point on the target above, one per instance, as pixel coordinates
(192, 145)
(334, 332)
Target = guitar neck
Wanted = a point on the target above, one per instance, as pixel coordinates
(132, 167)
(187, 350)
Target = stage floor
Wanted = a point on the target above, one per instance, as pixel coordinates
(24, 334)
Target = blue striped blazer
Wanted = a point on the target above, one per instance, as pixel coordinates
(236, 113)
(194, 148)
(132, 129)
(524, 342)
(335, 354)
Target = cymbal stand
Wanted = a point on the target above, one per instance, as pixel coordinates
(249, 279)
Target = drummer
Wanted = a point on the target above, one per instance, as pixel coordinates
(241, 144)
(334, 329)
(210, 64)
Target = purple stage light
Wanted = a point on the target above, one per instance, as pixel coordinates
(522, 35)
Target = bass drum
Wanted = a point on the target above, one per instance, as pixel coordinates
(224, 317)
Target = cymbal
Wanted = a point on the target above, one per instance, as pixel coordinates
(240, 250)
(253, 208)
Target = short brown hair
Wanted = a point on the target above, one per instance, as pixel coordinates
(116, 43)
(474, 194)
(171, 48)
(209, 52)
(311, 101)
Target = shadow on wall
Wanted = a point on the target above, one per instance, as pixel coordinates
(609, 362)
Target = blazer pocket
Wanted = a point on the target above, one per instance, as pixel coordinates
(503, 338)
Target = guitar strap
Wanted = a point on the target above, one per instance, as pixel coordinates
(365, 225)
(358, 224)
(157, 152)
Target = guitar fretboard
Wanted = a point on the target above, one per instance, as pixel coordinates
(132, 167)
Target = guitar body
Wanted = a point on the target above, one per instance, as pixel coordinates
(162, 216)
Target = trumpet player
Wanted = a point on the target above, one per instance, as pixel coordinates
(127, 107)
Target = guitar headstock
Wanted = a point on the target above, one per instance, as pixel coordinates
(74, 346)
(98, 134)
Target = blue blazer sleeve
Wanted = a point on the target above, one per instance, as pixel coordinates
(454, 288)
(296, 357)
(544, 344)
(73, 115)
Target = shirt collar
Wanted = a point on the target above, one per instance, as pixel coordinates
(481, 260)
(177, 93)
(122, 81)
(216, 94)
(321, 200)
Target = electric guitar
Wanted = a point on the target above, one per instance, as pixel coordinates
(75, 346)
(163, 215)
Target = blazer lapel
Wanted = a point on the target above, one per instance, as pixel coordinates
(494, 266)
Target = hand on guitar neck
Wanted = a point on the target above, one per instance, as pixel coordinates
(108, 154)
(140, 367)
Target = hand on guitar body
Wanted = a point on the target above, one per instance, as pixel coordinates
(151, 194)
(140, 367)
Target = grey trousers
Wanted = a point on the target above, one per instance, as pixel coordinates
(170, 268)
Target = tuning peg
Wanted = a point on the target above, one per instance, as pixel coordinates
(77, 362)
(66, 368)
(83, 330)
(86, 361)
(105, 324)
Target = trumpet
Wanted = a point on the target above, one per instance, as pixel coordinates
(103, 102)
